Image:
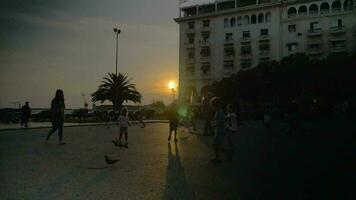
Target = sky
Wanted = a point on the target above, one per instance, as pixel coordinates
(70, 44)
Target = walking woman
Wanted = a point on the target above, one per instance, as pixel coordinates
(57, 115)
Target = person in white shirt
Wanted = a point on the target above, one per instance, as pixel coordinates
(123, 123)
(231, 127)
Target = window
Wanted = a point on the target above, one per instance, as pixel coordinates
(336, 23)
(324, 8)
(191, 25)
(260, 18)
(206, 23)
(232, 22)
(191, 54)
(226, 23)
(313, 9)
(246, 20)
(229, 51)
(264, 32)
(253, 19)
(190, 68)
(246, 64)
(228, 36)
(314, 26)
(348, 5)
(239, 21)
(246, 34)
(228, 64)
(336, 6)
(245, 50)
(302, 11)
(292, 12)
(292, 47)
(191, 40)
(339, 23)
(292, 28)
(205, 67)
(268, 17)
(205, 52)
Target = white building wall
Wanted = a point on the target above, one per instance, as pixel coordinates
(279, 38)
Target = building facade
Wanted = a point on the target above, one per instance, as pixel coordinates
(222, 38)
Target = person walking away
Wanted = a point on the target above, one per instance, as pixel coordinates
(173, 121)
(57, 116)
(208, 115)
(25, 114)
(267, 119)
(123, 120)
(231, 128)
(138, 116)
(219, 125)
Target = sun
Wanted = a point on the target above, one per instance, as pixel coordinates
(172, 85)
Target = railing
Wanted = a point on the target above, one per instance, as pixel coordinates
(337, 29)
(229, 57)
(204, 42)
(245, 39)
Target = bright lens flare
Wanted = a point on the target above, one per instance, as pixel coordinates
(172, 85)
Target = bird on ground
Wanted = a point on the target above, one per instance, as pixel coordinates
(109, 161)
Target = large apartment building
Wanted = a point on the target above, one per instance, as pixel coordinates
(222, 38)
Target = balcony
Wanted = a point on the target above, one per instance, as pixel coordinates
(315, 51)
(189, 45)
(264, 38)
(190, 61)
(316, 41)
(205, 29)
(338, 38)
(245, 39)
(189, 30)
(204, 43)
(246, 55)
(338, 48)
(264, 53)
(314, 32)
(229, 57)
(337, 29)
(229, 41)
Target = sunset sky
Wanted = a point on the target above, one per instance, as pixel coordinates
(70, 44)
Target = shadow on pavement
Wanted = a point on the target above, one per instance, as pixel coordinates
(176, 183)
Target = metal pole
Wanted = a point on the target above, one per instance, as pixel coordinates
(117, 32)
(117, 43)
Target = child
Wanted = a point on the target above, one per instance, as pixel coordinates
(123, 123)
(231, 127)
(219, 125)
(173, 122)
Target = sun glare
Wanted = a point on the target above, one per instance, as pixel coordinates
(172, 85)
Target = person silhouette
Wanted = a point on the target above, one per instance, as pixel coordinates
(25, 114)
(173, 121)
(57, 116)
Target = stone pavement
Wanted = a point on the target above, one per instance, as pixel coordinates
(267, 165)
(36, 125)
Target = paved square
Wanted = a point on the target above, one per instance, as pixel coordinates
(264, 166)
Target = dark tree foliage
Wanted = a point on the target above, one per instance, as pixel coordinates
(295, 77)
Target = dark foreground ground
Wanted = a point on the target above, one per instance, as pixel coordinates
(316, 164)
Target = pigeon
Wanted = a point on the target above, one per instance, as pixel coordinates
(108, 161)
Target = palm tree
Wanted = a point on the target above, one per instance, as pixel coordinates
(117, 89)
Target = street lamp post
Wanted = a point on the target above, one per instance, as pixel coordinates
(117, 32)
(173, 93)
(172, 86)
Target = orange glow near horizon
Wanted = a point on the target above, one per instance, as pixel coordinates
(172, 85)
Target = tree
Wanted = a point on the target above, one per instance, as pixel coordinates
(158, 106)
(116, 89)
